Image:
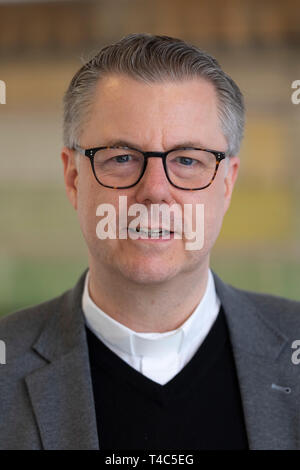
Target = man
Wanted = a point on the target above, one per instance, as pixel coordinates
(151, 350)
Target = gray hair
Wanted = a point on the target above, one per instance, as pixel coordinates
(151, 59)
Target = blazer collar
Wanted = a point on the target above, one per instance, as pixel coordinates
(249, 328)
(61, 392)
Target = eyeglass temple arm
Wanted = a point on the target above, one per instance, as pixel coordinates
(79, 149)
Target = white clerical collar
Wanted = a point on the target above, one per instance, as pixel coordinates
(133, 343)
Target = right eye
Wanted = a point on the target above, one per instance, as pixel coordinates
(122, 158)
(186, 161)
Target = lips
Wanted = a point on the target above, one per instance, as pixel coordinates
(148, 230)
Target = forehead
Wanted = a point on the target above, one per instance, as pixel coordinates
(161, 113)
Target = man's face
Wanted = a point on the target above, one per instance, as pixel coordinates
(156, 117)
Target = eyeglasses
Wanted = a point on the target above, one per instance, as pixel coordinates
(123, 167)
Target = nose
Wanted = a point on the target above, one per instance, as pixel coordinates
(154, 185)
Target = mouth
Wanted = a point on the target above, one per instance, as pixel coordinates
(152, 233)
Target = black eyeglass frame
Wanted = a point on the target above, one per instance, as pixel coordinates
(90, 153)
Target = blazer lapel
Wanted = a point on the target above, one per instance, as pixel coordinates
(268, 382)
(61, 392)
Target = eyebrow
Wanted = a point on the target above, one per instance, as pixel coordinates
(122, 143)
(126, 143)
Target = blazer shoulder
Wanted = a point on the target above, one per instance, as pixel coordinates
(280, 311)
(22, 327)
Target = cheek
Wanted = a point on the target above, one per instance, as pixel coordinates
(213, 202)
(213, 220)
(88, 200)
(87, 220)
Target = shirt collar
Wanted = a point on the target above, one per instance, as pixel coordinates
(152, 344)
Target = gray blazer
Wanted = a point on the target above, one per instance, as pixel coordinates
(46, 396)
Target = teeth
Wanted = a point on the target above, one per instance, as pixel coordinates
(145, 230)
(151, 232)
(154, 231)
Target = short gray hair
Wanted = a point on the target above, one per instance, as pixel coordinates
(151, 59)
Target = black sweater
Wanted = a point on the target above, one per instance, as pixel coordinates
(200, 408)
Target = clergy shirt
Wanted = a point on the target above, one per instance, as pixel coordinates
(158, 356)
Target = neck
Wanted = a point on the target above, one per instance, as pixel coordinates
(148, 308)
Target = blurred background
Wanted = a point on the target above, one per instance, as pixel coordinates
(43, 43)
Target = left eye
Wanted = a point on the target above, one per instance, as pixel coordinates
(186, 161)
(123, 158)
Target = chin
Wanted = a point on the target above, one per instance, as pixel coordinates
(149, 273)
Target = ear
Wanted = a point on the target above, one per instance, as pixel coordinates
(70, 175)
(230, 178)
